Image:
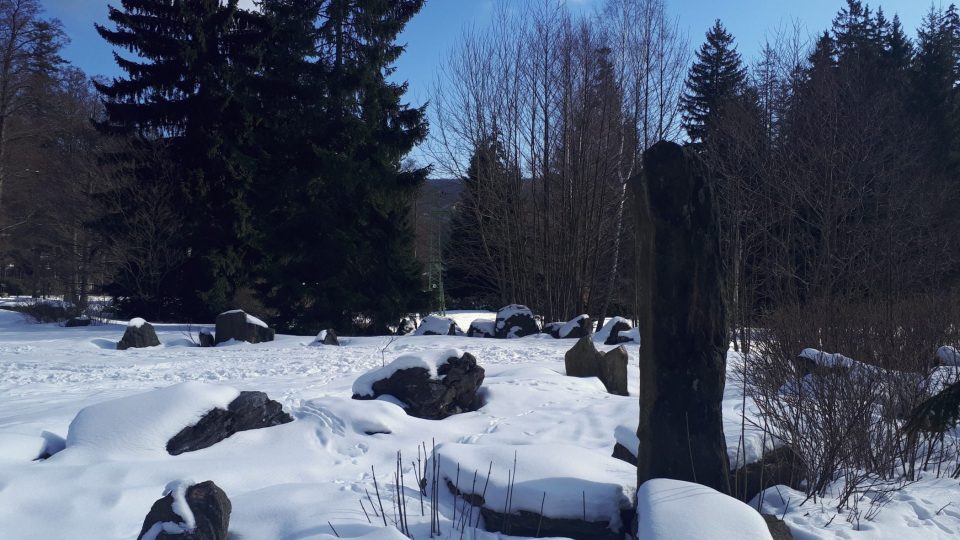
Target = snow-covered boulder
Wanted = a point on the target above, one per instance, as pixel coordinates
(206, 338)
(618, 330)
(814, 361)
(482, 328)
(582, 493)
(327, 337)
(240, 326)
(189, 511)
(437, 326)
(139, 334)
(515, 321)
(676, 510)
(575, 328)
(407, 326)
(250, 410)
(431, 385)
(627, 446)
(15, 447)
(948, 356)
(584, 360)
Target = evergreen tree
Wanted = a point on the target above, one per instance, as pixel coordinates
(185, 90)
(717, 75)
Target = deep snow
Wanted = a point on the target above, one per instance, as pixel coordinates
(287, 482)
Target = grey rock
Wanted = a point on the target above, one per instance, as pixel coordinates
(138, 337)
(583, 327)
(782, 466)
(515, 321)
(778, 529)
(615, 338)
(250, 410)
(328, 337)
(453, 392)
(207, 339)
(623, 453)
(234, 325)
(211, 509)
(584, 360)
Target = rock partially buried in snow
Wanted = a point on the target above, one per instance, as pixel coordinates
(240, 326)
(481, 328)
(139, 334)
(206, 338)
(407, 326)
(437, 326)
(15, 447)
(575, 328)
(327, 337)
(250, 410)
(515, 321)
(431, 385)
(188, 512)
(616, 331)
(676, 510)
(584, 360)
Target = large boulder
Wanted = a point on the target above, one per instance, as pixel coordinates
(250, 410)
(482, 328)
(684, 330)
(435, 325)
(575, 328)
(431, 385)
(239, 326)
(139, 334)
(515, 321)
(584, 360)
(206, 516)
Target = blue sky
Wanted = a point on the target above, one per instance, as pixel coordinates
(432, 33)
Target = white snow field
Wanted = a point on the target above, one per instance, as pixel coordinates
(296, 480)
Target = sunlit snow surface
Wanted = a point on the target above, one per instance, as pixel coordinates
(287, 482)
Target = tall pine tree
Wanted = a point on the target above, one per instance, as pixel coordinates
(717, 76)
(185, 91)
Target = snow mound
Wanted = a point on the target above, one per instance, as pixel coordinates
(435, 325)
(675, 510)
(141, 425)
(828, 360)
(429, 360)
(16, 447)
(569, 475)
(628, 439)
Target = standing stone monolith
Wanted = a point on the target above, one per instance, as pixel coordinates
(683, 321)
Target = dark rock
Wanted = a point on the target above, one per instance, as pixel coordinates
(481, 328)
(584, 360)
(234, 325)
(778, 529)
(684, 331)
(781, 466)
(138, 336)
(251, 410)
(515, 321)
(623, 453)
(454, 392)
(78, 322)
(615, 338)
(438, 326)
(327, 337)
(211, 510)
(407, 326)
(207, 339)
(553, 329)
(582, 326)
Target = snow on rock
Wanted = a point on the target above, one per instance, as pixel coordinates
(827, 360)
(604, 333)
(569, 475)
(437, 326)
(515, 321)
(676, 510)
(481, 328)
(627, 438)
(948, 356)
(250, 318)
(141, 424)
(15, 447)
(429, 360)
(136, 322)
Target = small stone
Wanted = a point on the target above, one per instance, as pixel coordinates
(211, 512)
(139, 334)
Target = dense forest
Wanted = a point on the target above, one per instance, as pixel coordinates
(256, 159)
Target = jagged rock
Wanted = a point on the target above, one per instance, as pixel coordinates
(437, 326)
(327, 337)
(454, 391)
(407, 326)
(139, 334)
(615, 338)
(250, 410)
(623, 453)
(76, 322)
(684, 331)
(481, 328)
(781, 466)
(584, 360)
(211, 515)
(778, 529)
(207, 339)
(515, 321)
(239, 326)
(575, 328)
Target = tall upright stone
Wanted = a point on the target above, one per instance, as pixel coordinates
(683, 328)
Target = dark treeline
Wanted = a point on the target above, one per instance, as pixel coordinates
(836, 159)
(245, 159)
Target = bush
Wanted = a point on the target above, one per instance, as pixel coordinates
(44, 311)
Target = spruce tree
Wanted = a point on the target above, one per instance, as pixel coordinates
(716, 76)
(185, 91)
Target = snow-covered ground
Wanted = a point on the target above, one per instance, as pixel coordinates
(289, 481)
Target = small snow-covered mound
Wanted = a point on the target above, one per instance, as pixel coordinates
(676, 510)
(17, 447)
(578, 483)
(437, 326)
(141, 425)
(827, 360)
(428, 360)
